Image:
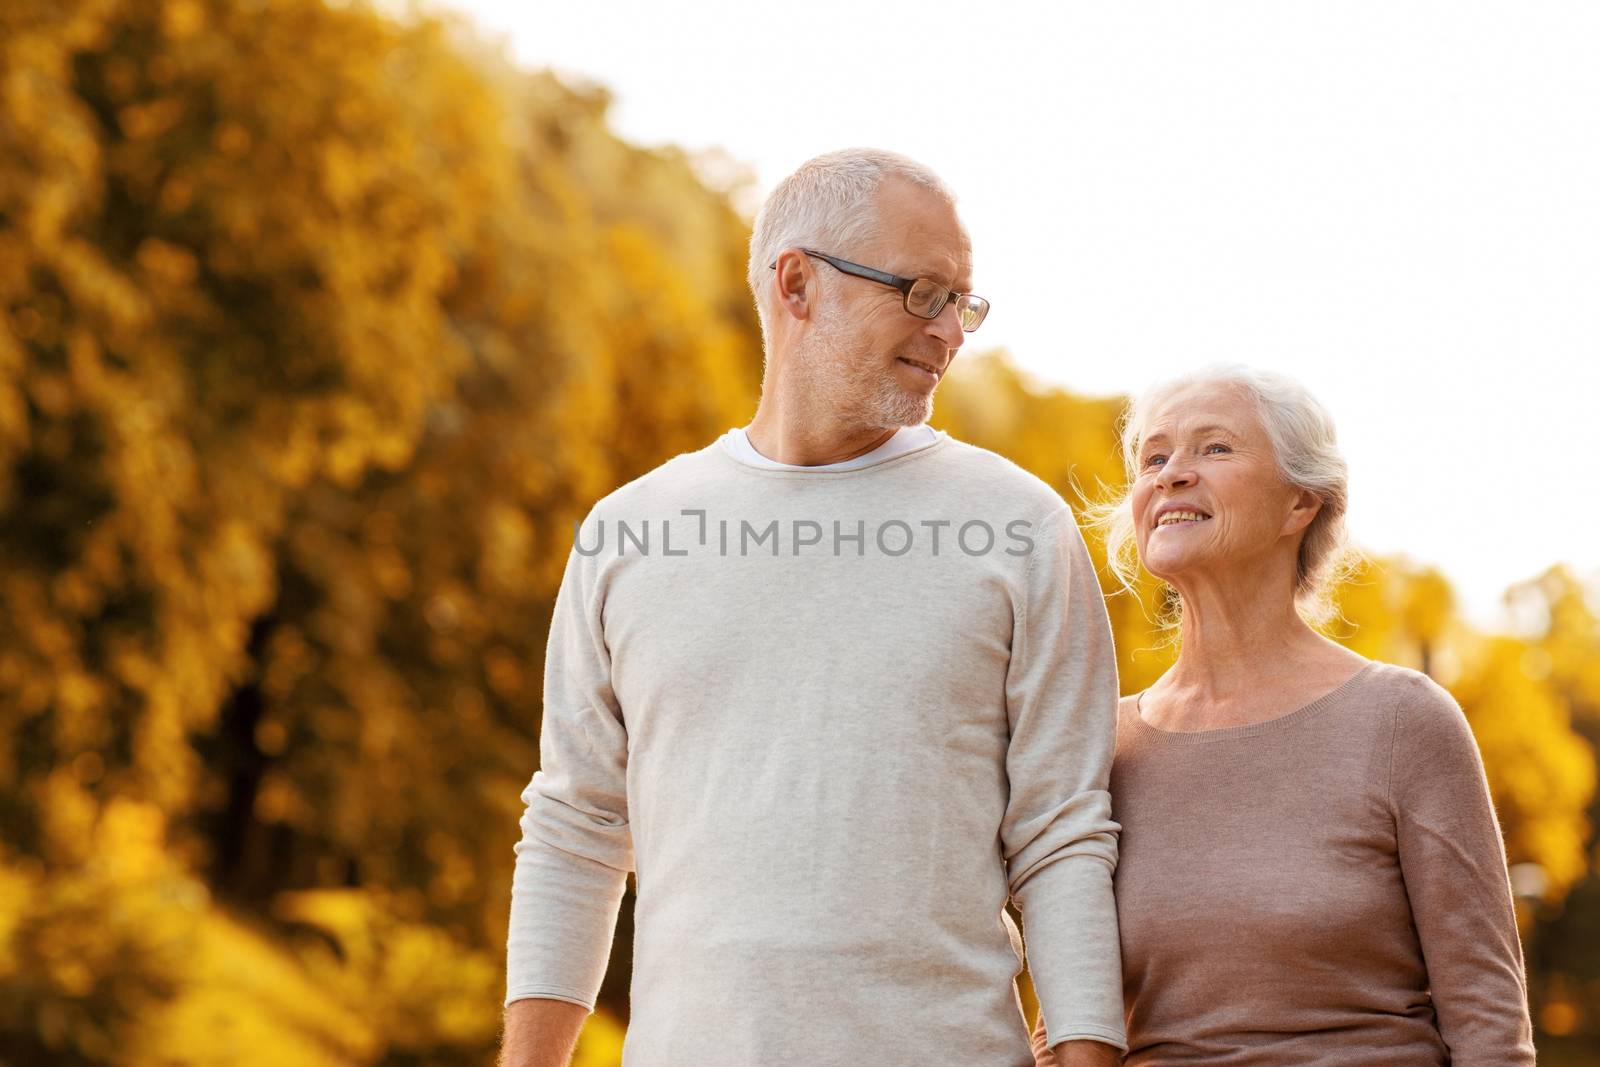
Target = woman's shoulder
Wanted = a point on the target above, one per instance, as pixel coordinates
(1434, 759)
(1431, 741)
(1414, 699)
(1127, 720)
(1404, 711)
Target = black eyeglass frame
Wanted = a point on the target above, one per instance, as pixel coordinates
(905, 285)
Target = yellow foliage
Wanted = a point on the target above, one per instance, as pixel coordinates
(88, 952)
(245, 1001)
(1542, 774)
(600, 1043)
(414, 985)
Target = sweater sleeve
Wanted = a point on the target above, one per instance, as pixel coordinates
(576, 849)
(1057, 835)
(1453, 861)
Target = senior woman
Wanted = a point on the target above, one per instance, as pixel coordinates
(1310, 867)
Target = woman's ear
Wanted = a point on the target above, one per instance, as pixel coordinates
(1307, 505)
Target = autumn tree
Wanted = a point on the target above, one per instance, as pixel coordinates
(319, 330)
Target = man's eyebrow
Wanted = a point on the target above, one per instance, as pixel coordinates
(937, 273)
(925, 270)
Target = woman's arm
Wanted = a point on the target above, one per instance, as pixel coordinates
(1453, 860)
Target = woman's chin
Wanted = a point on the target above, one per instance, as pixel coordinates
(1171, 567)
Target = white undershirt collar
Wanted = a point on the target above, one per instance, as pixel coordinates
(905, 439)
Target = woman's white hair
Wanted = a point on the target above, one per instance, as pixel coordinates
(1305, 450)
(828, 204)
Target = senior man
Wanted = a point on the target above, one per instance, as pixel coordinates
(835, 687)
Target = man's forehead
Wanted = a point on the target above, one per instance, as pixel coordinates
(917, 253)
(921, 233)
(940, 267)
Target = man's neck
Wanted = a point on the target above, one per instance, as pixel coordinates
(804, 443)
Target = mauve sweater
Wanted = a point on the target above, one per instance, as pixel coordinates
(1328, 887)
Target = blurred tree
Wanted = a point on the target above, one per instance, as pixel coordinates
(1560, 619)
(320, 329)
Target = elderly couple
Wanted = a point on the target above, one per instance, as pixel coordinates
(838, 686)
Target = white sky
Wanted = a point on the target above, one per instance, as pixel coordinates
(1398, 202)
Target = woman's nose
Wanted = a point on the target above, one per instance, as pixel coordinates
(1175, 476)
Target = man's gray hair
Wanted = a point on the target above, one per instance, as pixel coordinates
(1305, 450)
(829, 205)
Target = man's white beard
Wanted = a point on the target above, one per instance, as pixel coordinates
(848, 380)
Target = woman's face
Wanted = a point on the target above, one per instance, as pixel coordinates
(1207, 497)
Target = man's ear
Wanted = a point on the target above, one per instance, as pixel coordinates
(1307, 505)
(795, 284)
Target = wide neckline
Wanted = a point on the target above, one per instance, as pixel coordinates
(903, 440)
(1250, 729)
(940, 441)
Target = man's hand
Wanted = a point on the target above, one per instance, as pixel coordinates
(1079, 1054)
(541, 1032)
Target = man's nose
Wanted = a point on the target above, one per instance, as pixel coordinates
(946, 326)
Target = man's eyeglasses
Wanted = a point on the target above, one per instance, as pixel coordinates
(923, 297)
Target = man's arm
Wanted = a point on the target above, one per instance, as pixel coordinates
(1072, 1053)
(1058, 837)
(576, 848)
(541, 1033)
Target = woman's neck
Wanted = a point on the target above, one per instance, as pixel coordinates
(1244, 647)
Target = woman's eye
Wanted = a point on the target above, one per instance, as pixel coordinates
(1151, 461)
(1223, 447)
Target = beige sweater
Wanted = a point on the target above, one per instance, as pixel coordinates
(1324, 888)
(832, 719)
